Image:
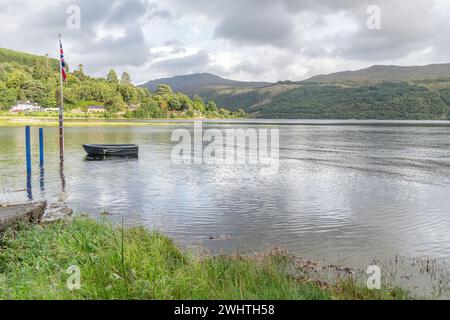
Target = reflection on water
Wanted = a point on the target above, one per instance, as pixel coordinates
(61, 174)
(109, 157)
(29, 187)
(344, 193)
(41, 179)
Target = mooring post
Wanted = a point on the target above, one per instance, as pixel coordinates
(28, 148)
(28, 159)
(41, 147)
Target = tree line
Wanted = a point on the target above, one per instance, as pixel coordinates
(26, 77)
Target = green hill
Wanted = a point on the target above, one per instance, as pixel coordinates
(26, 77)
(387, 73)
(27, 59)
(386, 100)
(379, 92)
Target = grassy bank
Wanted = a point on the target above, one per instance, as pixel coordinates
(137, 264)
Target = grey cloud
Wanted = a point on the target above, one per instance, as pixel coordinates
(125, 11)
(264, 28)
(176, 46)
(155, 12)
(245, 22)
(187, 64)
(273, 25)
(324, 5)
(407, 25)
(404, 29)
(45, 22)
(128, 50)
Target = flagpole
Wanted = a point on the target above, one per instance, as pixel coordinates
(61, 111)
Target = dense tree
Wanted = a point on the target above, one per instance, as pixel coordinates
(198, 104)
(79, 74)
(164, 89)
(28, 77)
(7, 96)
(211, 106)
(126, 78)
(112, 77)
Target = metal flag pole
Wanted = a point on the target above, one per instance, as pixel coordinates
(61, 108)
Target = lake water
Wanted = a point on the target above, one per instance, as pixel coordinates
(345, 191)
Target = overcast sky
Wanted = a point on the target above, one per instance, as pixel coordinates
(266, 40)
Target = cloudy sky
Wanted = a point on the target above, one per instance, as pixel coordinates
(266, 40)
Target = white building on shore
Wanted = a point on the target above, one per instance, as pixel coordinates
(26, 107)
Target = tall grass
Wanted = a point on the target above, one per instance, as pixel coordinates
(119, 263)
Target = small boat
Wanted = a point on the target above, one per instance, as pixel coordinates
(118, 150)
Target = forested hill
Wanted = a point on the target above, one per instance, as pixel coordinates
(26, 77)
(379, 92)
(387, 73)
(27, 59)
(426, 100)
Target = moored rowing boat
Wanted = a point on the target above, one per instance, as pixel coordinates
(111, 149)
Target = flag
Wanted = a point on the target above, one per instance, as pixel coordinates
(63, 62)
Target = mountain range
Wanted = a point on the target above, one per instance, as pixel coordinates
(377, 92)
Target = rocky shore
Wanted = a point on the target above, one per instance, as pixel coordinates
(14, 215)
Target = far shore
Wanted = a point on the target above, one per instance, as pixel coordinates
(92, 121)
(71, 121)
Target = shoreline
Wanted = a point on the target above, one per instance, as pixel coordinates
(133, 263)
(336, 280)
(14, 121)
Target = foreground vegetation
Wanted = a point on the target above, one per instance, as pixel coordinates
(26, 77)
(117, 263)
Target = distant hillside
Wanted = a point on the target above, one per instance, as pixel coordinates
(387, 73)
(199, 83)
(384, 100)
(7, 55)
(426, 98)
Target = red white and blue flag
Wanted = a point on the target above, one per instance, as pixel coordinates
(63, 62)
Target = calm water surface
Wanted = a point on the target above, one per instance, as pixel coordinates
(343, 192)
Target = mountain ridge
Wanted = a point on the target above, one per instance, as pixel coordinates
(377, 92)
(196, 83)
(379, 73)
